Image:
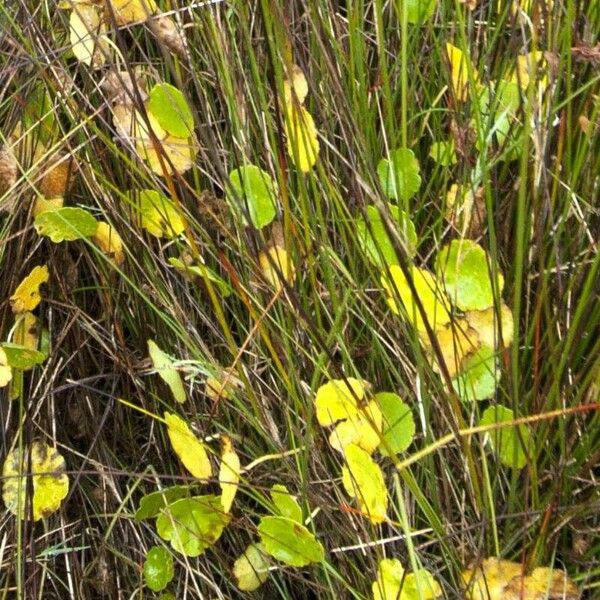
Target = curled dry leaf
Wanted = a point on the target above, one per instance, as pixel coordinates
(49, 481)
(123, 87)
(56, 177)
(110, 242)
(8, 171)
(276, 266)
(295, 86)
(27, 295)
(168, 33)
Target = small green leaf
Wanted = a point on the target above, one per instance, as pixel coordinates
(398, 423)
(479, 376)
(257, 189)
(510, 443)
(289, 541)
(376, 243)
(20, 357)
(419, 11)
(164, 367)
(158, 568)
(462, 266)
(399, 176)
(443, 153)
(66, 224)
(285, 503)
(251, 569)
(192, 524)
(170, 108)
(152, 504)
(202, 271)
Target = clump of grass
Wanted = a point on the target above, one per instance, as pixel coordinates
(376, 83)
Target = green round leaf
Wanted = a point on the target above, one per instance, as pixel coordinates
(376, 243)
(157, 214)
(257, 189)
(419, 11)
(158, 568)
(285, 503)
(510, 443)
(152, 504)
(20, 357)
(289, 541)
(479, 376)
(66, 224)
(251, 569)
(462, 265)
(443, 153)
(398, 423)
(192, 524)
(170, 108)
(399, 176)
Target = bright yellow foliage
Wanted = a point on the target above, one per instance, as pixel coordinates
(50, 482)
(110, 242)
(338, 399)
(176, 155)
(363, 479)
(190, 450)
(428, 291)
(459, 70)
(301, 134)
(362, 429)
(5, 370)
(229, 473)
(295, 87)
(456, 341)
(485, 323)
(27, 295)
(131, 11)
(285, 269)
(531, 67)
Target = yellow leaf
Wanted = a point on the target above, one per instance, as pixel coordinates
(164, 367)
(456, 341)
(276, 265)
(130, 124)
(251, 569)
(390, 575)
(229, 473)
(177, 154)
(43, 204)
(485, 323)
(50, 482)
(459, 71)
(26, 332)
(86, 33)
(338, 399)
(362, 429)
(109, 241)
(131, 11)
(295, 86)
(301, 134)
(5, 370)
(190, 450)
(159, 215)
(363, 479)
(488, 580)
(428, 291)
(531, 67)
(27, 295)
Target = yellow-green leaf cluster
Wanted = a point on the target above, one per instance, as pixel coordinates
(49, 481)
(393, 583)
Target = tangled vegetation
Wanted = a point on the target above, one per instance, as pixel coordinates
(300, 299)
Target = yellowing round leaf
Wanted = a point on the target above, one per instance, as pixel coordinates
(229, 473)
(428, 291)
(543, 583)
(276, 265)
(174, 155)
(43, 204)
(26, 333)
(362, 429)
(338, 399)
(485, 323)
(164, 366)
(390, 574)
(301, 134)
(158, 215)
(49, 480)
(5, 370)
(531, 67)
(363, 479)
(131, 11)
(488, 580)
(86, 33)
(130, 124)
(190, 450)
(295, 87)
(109, 241)
(251, 569)
(456, 341)
(27, 295)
